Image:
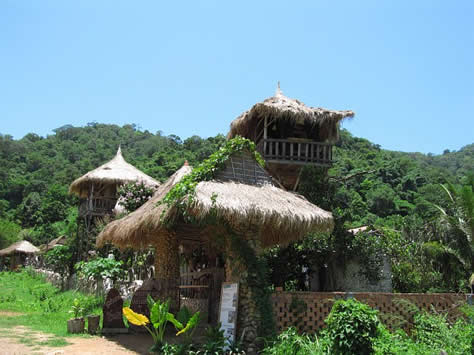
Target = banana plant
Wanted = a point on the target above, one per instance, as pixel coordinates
(159, 317)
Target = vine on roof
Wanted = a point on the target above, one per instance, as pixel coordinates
(182, 194)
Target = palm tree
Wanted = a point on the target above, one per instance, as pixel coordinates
(459, 220)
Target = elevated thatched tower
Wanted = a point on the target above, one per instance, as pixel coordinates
(289, 135)
(97, 189)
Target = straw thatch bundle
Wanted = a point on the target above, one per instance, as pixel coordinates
(282, 216)
(280, 107)
(61, 240)
(115, 172)
(139, 228)
(23, 246)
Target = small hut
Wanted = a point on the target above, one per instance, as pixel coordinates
(18, 252)
(288, 134)
(241, 199)
(97, 189)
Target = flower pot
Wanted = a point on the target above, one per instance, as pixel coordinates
(75, 325)
(93, 324)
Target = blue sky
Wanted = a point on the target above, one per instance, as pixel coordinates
(405, 67)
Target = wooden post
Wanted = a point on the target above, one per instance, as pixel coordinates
(265, 136)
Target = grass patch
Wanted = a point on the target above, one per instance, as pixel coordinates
(55, 342)
(44, 307)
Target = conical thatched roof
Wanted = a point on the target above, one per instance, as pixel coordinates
(116, 171)
(283, 216)
(281, 107)
(23, 246)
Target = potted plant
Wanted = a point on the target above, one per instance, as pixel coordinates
(76, 324)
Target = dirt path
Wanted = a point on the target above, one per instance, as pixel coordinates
(21, 340)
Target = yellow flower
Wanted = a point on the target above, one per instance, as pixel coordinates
(135, 318)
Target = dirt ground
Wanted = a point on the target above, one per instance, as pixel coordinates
(21, 341)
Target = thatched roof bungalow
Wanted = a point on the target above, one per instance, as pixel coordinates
(113, 173)
(281, 216)
(239, 202)
(23, 246)
(18, 252)
(288, 134)
(321, 124)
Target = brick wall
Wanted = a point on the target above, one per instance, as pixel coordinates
(307, 310)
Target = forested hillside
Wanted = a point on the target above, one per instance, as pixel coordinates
(393, 191)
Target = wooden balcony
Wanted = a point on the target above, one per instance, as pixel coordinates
(97, 206)
(288, 151)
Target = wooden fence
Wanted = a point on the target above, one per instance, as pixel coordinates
(307, 311)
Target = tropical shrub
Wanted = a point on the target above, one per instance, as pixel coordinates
(291, 343)
(100, 267)
(77, 310)
(133, 195)
(159, 318)
(59, 258)
(352, 327)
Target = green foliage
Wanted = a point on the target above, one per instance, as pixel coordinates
(352, 327)
(191, 321)
(43, 307)
(100, 267)
(8, 233)
(77, 310)
(215, 341)
(133, 195)
(256, 278)
(59, 258)
(291, 343)
(182, 194)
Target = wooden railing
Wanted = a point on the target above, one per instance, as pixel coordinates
(295, 152)
(98, 206)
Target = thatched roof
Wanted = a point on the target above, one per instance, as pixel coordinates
(283, 216)
(138, 229)
(23, 246)
(282, 107)
(61, 240)
(117, 171)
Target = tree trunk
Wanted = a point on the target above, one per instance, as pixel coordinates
(167, 269)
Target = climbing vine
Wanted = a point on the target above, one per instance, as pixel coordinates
(182, 194)
(257, 278)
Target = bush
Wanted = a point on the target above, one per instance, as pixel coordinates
(100, 267)
(352, 327)
(133, 195)
(291, 343)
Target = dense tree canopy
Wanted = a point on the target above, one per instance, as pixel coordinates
(399, 194)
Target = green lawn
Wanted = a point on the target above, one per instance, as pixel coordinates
(42, 307)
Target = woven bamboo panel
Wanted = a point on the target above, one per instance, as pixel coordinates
(307, 311)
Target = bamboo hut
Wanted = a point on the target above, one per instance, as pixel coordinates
(289, 134)
(98, 195)
(98, 188)
(18, 253)
(241, 196)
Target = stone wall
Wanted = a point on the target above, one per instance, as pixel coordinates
(307, 311)
(90, 286)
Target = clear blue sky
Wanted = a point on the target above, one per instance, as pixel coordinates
(405, 67)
